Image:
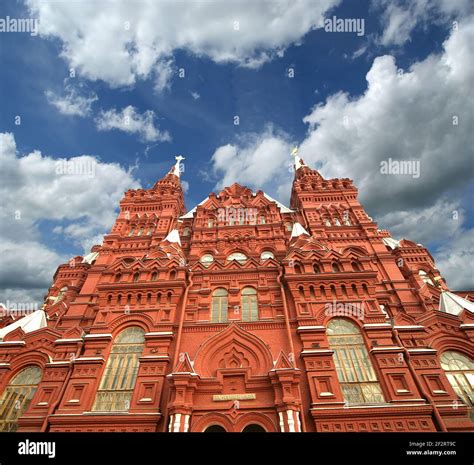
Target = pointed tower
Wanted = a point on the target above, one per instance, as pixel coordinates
(150, 214)
(326, 204)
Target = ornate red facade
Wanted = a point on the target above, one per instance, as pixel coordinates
(243, 313)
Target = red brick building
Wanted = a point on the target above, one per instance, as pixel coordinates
(243, 314)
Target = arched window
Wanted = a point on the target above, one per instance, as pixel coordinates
(215, 429)
(210, 223)
(136, 277)
(316, 268)
(460, 372)
(335, 268)
(266, 255)
(186, 232)
(131, 231)
(263, 220)
(154, 276)
(297, 268)
(237, 256)
(140, 231)
(172, 275)
(289, 227)
(219, 306)
(61, 294)
(356, 375)
(17, 397)
(426, 277)
(356, 266)
(118, 380)
(118, 277)
(254, 428)
(207, 260)
(249, 304)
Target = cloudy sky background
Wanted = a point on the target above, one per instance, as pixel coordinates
(180, 72)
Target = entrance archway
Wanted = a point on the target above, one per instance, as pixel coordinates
(254, 428)
(215, 429)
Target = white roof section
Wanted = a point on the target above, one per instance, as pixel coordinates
(173, 236)
(298, 230)
(282, 207)
(90, 258)
(190, 213)
(391, 242)
(28, 323)
(454, 304)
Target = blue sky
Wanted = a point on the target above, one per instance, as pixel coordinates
(353, 101)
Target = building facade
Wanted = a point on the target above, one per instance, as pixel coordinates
(243, 314)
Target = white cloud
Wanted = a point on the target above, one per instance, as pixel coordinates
(407, 116)
(131, 121)
(255, 160)
(401, 17)
(455, 260)
(195, 95)
(121, 42)
(72, 103)
(36, 188)
(185, 186)
(436, 222)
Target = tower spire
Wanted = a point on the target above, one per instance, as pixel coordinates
(176, 170)
(298, 162)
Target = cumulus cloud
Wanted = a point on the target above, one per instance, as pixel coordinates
(119, 43)
(422, 114)
(131, 121)
(72, 102)
(35, 188)
(254, 160)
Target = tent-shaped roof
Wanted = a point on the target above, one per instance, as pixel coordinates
(454, 304)
(28, 323)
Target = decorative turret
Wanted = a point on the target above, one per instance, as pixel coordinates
(153, 213)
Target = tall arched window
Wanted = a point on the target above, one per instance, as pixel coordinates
(17, 397)
(356, 375)
(60, 295)
(426, 277)
(117, 383)
(355, 266)
(219, 306)
(249, 304)
(460, 372)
